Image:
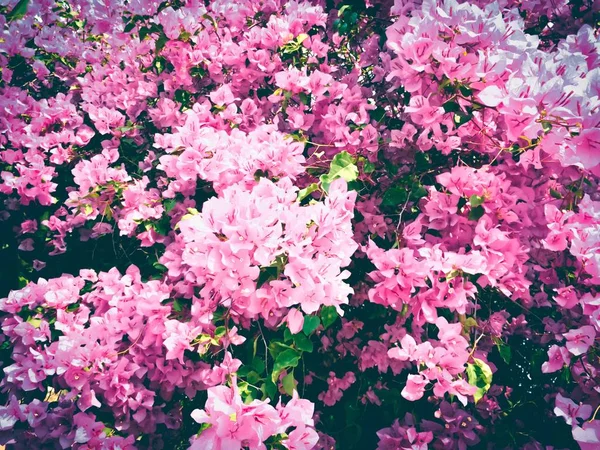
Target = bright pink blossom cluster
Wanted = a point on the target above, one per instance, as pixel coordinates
(382, 217)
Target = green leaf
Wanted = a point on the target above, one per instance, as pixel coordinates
(342, 166)
(342, 9)
(160, 43)
(184, 97)
(270, 388)
(394, 196)
(18, 12)
(465, 91)
(476, 200)
(328, 316)
(304, 98)
(130, 26)
(258, 364)
(461, 118)
(469, 323)
(418, 193)
(161, 226)
(565, 374)
(288, 383)
(145, 31)
(36, 322)
(476, 213)
(504, 350)
(368, 167)
(169, 204)
(177, 305)
(377, 114)
(266, 275)
(451, 107)
(311, 323)
(554, 193)
(160, 267)
(244, 371)
(287, 358)
(303, 193)
(220, 331)
(480, 376)
(303, 343)
(212, 21)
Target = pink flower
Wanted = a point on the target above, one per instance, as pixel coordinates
(11, 414)
(415, 387)
(295, 320)
(579, 340)
(491, 96)
(105, 119)
(422, 112)
(302, 438)
(588, 435)
(406, 351)
(587, 145)
(222, 96)
(567, 408)
(558, 357)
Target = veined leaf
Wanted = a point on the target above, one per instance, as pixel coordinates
(342, 166)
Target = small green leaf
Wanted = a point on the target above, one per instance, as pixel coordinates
(252, 377)
(368, 167)
(266, 275)
(461, 118)
(394, 196)
(130, 26)
(303, 343)
(169, 204)
(287, 358)
(160, 42)
(465, 91)
(160, 267)
(328, 316)
(451, 107)
(342, 9)
(145, 31)
(212, 21)
(469, 323)
(377, 114)
(18, 12)
(288, 383)
(565, 374)
(304, 98)
(476, 200)
(555, 194)
(162, 226)
(476, 213)
(35, 322)
(303, 193)
(418, 193)
(220, 331)
(270, 388)
(258, 364)
(480, 376)
(177, 305)
(184, 97)
(342, 166)
(504, 350)
(311, 323)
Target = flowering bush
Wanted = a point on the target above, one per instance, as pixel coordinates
(300, 224)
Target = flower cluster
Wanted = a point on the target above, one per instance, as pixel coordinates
(381, 217)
